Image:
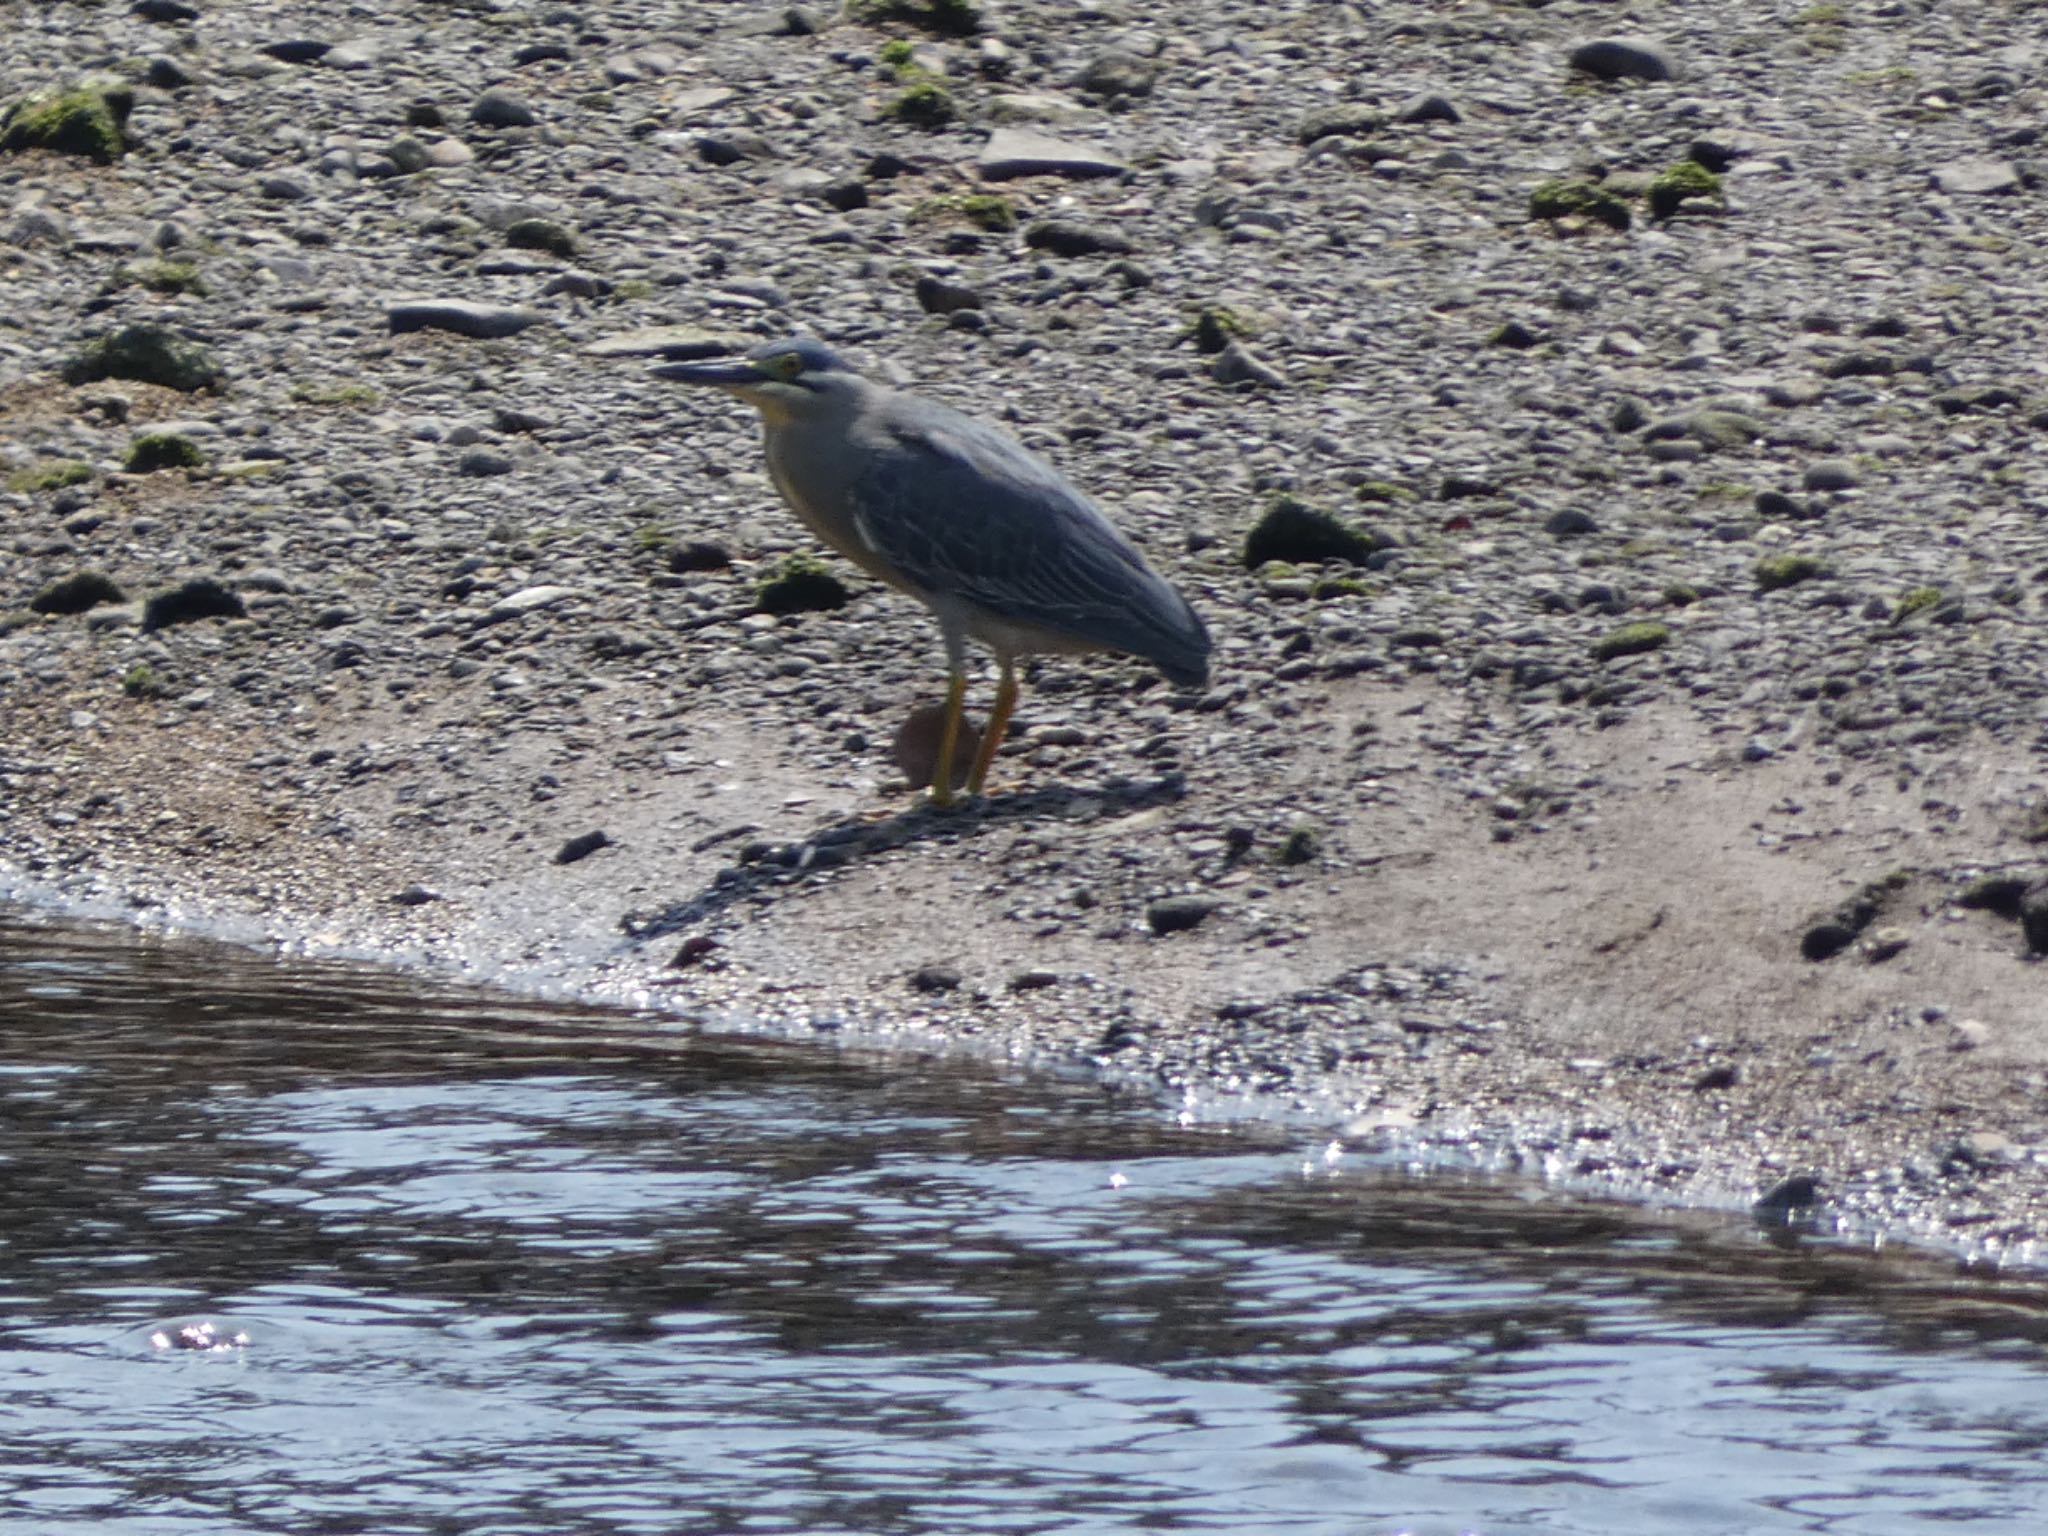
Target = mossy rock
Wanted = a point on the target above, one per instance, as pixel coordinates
(541, 235)
(163, 277)
(335, 392)
(800, 584)
(950, 18)
(1295, 533)
(77, 593)
(1776, 572)
(1215, 327)
(1567, 199)
(86, 120)
(926, 103)
(1916, 601)
(148, 354)
(1346, 119)
(1631, 640)
(982, 210)
(153, 451)
(1681, 594)
(142, 681)
(897, 52)
(1687, 179)
(195, 600)
(51, 475)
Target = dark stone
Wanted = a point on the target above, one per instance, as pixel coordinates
(2001, 894)
(1716, 1078)
(482, 321)
(1823, 941)
(1178, 914)
(693, 951)
(1428, 109)
(541, 53)
(1515, 336)
(1034, 981)
(75, 594)
(846, 195)
(582, 847)
(297, 50)
(1795, 1192)
(939, 297)
(698, 555)
(2034, 917)
(935, 978)
(481, 463)
(1066, 237)
(204, 598)
(501, 109)
(1622, 58)
(1570, 522)
(165, 10)
(416, 895)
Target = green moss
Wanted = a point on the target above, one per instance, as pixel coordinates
(51, 475)
(1681, 594)
(983, 210)
(1565, 199)
(1300, 846)
(800, 584)
(1687, 179)
(335, 392)
(1779, 571)
(926, 103)
(153, 451)
(1914, 601)
(651, 537)
(1631, 640)
(1327, 587)
(896, 53)
(86, 120)
(148, 354)
(142, 682)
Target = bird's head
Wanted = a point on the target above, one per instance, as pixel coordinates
(781, 379)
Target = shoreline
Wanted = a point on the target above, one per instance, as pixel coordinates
(1656, 788)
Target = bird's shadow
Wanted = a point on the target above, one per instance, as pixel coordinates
(762, 869)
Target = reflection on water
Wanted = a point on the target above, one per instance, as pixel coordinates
(509, 1269)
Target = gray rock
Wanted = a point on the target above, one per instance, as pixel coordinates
(1178, 914)
(1831, 475)
(498, 108)
(527, 600)
(582, 847)
(484, 321)
(1013, 152)
(285, 189)
(936, 296)
(1977, 178)
(1069, 237)
(1235, 364)
(1623, 58)
(482, 463)
(1117, 72)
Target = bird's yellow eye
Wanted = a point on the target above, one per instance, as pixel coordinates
(788, 365)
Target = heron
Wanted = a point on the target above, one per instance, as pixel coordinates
(961, 516)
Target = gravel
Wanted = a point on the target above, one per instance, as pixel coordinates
(1704, 594)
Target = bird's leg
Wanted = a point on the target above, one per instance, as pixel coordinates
(998, 722)
(949, 738)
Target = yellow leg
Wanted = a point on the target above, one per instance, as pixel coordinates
(949, 739)
(998, 722)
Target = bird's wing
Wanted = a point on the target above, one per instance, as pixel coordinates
(963, 512)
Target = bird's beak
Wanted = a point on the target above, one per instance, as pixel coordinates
(732, 375)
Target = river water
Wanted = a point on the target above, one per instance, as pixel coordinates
(472, 1264)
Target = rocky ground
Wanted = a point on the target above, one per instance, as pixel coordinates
(1656, 797)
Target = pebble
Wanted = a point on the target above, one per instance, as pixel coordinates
(483, 321)
(1623, 58)
(1013, 152)
(498, 108)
